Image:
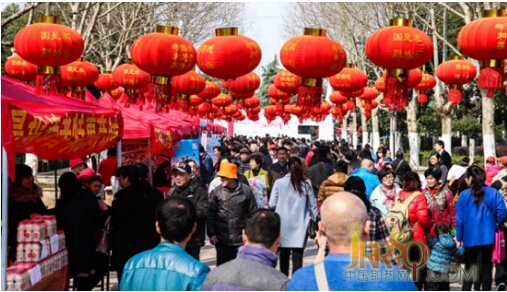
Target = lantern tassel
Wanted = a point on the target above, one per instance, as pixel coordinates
(279, 109)
(78, 94)
(161, 92)
(183, 103)
(397, 92)
(309, 97)
(48, 84)
(454, 96)
(490, 79)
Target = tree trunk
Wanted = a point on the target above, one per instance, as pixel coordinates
(364, 125)
(354, 130)
(446, 130)
(488, 125)
(392, 127)
(413, 135)
(344, 127)
(375, 129)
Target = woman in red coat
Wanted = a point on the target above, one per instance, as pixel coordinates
(420, 220)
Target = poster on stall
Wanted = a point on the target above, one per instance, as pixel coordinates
(186, 150)
(133, 151)
(210, 143)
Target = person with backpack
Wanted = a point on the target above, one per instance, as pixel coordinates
(409, 220)
(443, 248)
(501, 269)
(480, 210)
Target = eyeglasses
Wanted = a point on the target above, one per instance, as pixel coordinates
(389, 177)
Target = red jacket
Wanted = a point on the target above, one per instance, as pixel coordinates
(108, 168)
(418, 213)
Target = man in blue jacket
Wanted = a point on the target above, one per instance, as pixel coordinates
(206, 165)
(365, 172)
(168, 267)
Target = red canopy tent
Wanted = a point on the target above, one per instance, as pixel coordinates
(54, 127)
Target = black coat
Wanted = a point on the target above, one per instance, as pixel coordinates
(445, 157)
(196, 193)
(319, 173)
(20, 207)
(77, 217)
(227, 213)
(133, 222)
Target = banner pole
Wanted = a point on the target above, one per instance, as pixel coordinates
(150, 172)
(118, 153)
(5, 223)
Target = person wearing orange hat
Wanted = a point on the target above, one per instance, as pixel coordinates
(229, 206)
(76, 165)
(491, 170)
(502, 165)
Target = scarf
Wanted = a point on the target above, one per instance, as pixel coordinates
(388, 196)
(25, 196)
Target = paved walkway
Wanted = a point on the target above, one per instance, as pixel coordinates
(208, 256)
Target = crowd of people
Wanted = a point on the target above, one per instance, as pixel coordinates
(256, 200)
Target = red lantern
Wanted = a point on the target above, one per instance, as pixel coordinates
(349, 105)
(369, 95)
(211, 90)
(456, 72)
(242, 97)
(105, 82)
(241, 117)
(485, 40)
(312, 56)
(116, 93)
(280, 98)
(349, 79)
(132, 79)
(229, 111)
(398, 48)
(48, 44)
(380, 84)
(270, 110)
(337, 113)
(194, 102)
(427, 83)
(287, 82)
(414, 77)
(187, 84)
(353, 94)
(20, 69)
(251, 103)
(243, 84)
(163, 54)
(337, 98)
(78, 75)
(228, 55)
(221, 101)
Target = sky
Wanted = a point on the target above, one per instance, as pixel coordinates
(266, 29)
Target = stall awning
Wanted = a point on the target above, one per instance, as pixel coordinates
(54, 127)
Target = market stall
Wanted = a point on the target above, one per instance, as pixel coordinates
(51, 127)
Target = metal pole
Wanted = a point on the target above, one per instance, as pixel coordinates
(150, 173)
(56, 181)
(392, 126)
(5, 224)
(118, 153)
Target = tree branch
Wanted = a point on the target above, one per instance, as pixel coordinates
(453, 10)
(20, 13)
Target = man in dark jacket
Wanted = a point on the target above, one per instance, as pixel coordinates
(229, 205)
(191, 189)
(401, 167)
(322, 170)
(303, 148)
(278, 169)
(257, 257)
(445, 157)
(206, 166)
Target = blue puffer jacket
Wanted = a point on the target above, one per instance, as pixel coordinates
(443, 249)
(371, 180)
(167, 267)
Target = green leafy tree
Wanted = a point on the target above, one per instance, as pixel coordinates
(267, 76)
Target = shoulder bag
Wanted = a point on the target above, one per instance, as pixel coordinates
(312, 226)
(499, 248)
(104, 245)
